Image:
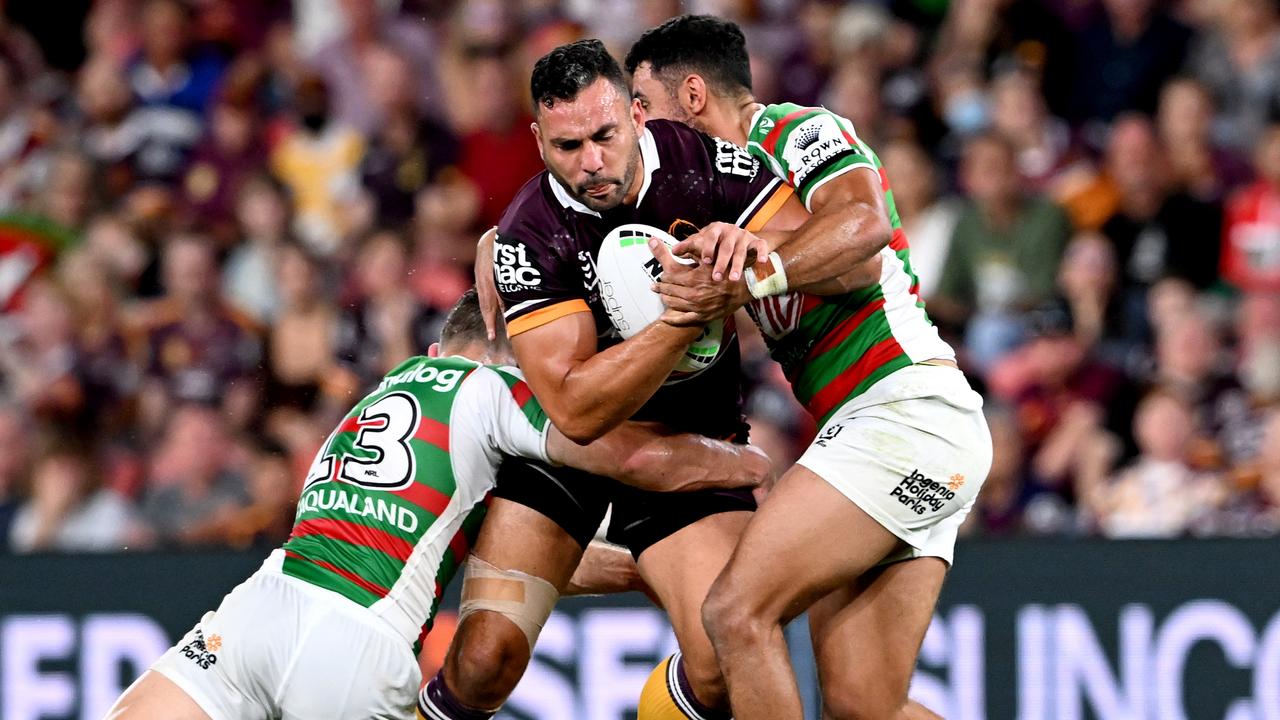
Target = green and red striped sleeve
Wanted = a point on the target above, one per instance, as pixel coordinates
(806, 146)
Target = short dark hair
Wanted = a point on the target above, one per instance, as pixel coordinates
(714, 48)
(464, 325)
(564, 72)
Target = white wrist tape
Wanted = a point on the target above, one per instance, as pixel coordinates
(767, 277)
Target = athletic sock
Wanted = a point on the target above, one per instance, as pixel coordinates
(437, 702)
(667, 695)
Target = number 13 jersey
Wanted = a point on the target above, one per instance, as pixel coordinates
(396, 494)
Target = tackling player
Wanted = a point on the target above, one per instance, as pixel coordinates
(862, 530)
(330, 625)
(606, 167)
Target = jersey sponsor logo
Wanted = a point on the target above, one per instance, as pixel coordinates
(201, 652)
(372, 508)
(812, 143)
(923, 494)
(425, 373)
(513, 269)
(733, 160)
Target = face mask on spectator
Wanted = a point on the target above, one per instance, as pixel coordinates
(315, 121)
(967, 113)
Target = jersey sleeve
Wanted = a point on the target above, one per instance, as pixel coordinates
(536, 281)
(806, 146)
(744, 191)
(511, 418)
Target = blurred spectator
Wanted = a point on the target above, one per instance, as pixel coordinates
(14, 450)
(1124, 57)
(1189, 364)
(194, 488)
(1156, 232)
(444, 242)
(1197, 165)
(319, 163)
(1043, 143)
(16, 141)
(300, 344)
(66, 191)
(927, 219)
(854, 92)
(1004, 251)
(387, 323)
(197, 349)
(248, 279)
(40, 362)
(113, 133)
(1062, 397)
(343, 62)
(1251, 242)
(1258, 343)
(68, 512)
(810, 61)
(229, 154)
(1159, 494)
(1253, 509)
(174, 83)
(272, 490)
(993, 34)
(113, 242)
(498, 155)
(1238, 60)
(408, 151)
(1087, 284)
(108, 377)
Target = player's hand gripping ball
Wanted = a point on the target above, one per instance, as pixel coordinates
(627, 270)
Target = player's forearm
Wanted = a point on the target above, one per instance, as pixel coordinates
(684, 462)
(863, 274)
(600, 392)
(840, 242)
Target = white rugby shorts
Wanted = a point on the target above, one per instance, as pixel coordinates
(912, 453)
(279, 647)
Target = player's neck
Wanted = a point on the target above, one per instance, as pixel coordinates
(744, 110)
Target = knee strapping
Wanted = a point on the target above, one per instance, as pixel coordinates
(523, 599)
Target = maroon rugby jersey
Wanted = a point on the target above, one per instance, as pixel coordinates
(544, 255)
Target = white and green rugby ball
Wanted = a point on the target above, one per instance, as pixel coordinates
(626, 269)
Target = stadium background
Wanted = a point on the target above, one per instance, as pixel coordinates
(220, 219)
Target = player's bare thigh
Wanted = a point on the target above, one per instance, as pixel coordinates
(681, 568)
(515, 537)
(806, 539)
(489, 652)
(867, 635)
(155, 697)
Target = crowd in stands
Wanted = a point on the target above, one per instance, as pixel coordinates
(222, 220)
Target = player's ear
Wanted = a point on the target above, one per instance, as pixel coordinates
(694, 94)
(637, 115)
(537, 136)
(433, 350)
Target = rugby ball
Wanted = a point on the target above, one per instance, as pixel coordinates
(626, 270)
